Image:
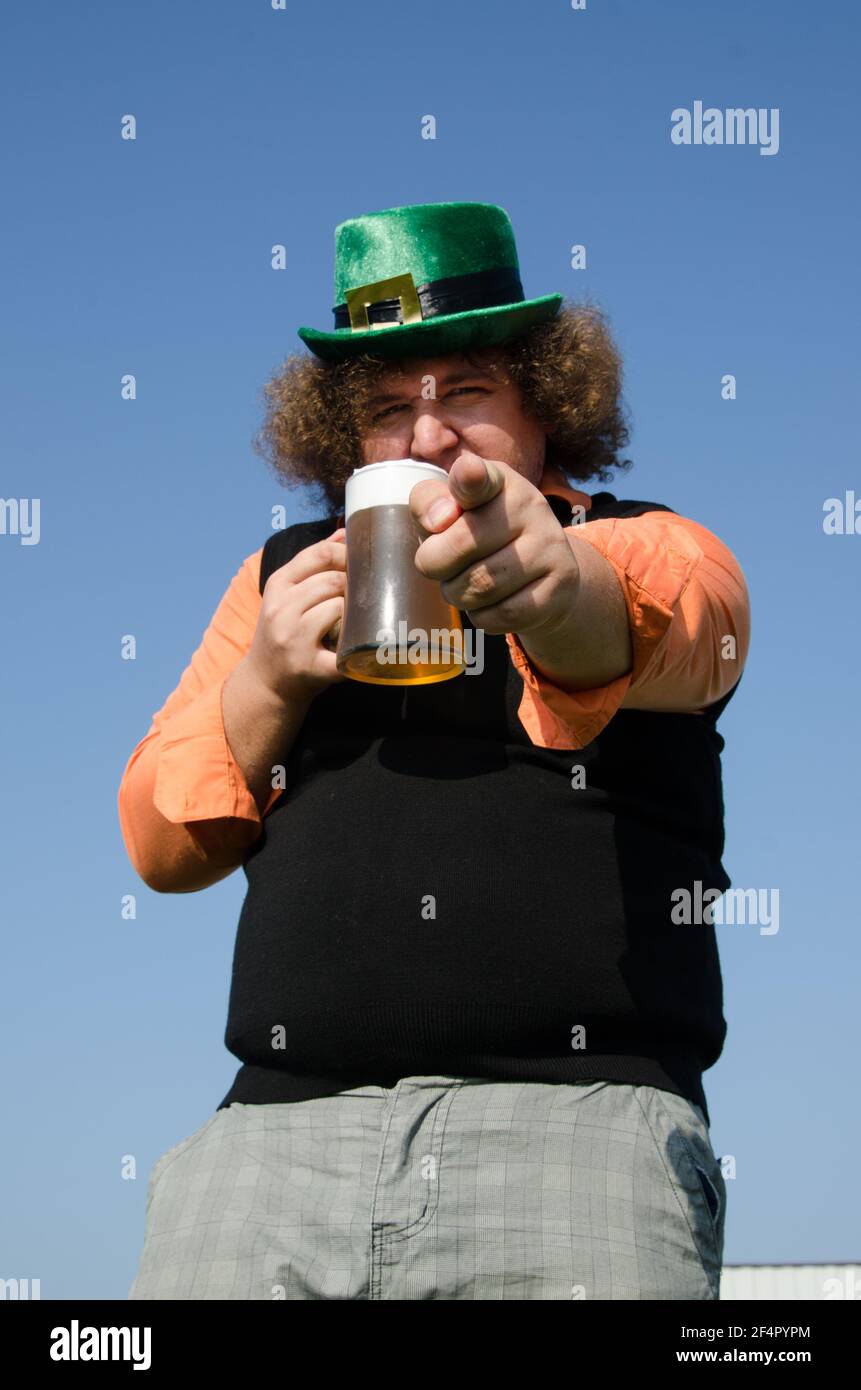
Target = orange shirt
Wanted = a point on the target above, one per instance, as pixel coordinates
(183, 798)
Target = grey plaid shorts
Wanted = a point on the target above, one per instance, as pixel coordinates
(441, 1188)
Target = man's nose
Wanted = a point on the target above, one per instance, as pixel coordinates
(433, 440)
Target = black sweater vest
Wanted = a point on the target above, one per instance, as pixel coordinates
(432, 894)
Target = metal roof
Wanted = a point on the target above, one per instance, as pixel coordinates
(808, 1282)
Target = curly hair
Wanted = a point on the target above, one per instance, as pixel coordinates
(569, 373)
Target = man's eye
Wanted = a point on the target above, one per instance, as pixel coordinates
(458, 390)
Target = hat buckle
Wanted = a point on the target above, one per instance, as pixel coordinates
(400, 287)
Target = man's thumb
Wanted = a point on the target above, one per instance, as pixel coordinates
(474, 480)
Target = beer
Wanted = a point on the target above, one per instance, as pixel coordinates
(398, 629)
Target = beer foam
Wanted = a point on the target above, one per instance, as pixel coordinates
(386, 484)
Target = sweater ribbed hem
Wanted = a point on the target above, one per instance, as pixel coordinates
(680, 1074)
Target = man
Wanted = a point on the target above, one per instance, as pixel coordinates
(472, 1025)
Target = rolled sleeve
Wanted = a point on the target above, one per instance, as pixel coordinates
(685, 596)
(183, 771)
(556, 718)
(197, 777)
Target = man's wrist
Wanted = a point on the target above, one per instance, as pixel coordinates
(285, 702)
(550, 645)
(553, 661)
(588, 642)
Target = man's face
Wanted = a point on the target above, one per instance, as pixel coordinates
(472, 408)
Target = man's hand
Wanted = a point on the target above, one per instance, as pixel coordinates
(302, 602)
(501, 556)
(496, 547)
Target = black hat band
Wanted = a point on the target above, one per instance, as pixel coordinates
(456, 294)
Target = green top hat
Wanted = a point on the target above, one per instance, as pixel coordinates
(431, 278)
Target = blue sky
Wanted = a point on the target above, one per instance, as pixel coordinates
(257, 127)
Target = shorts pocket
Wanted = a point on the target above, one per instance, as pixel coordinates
(682, 1138)
(695, 1136)
(712, 1196)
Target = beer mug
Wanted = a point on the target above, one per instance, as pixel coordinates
(397, 628)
